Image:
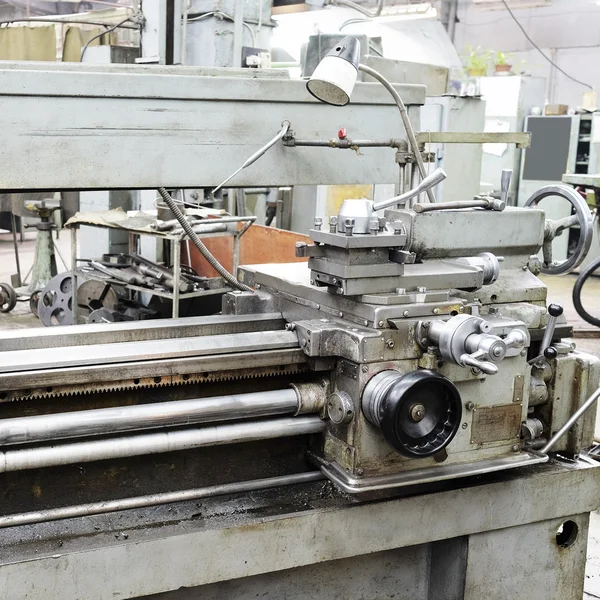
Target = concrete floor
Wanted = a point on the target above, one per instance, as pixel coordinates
(559, 291)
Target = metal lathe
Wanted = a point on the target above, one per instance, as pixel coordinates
(397, 417)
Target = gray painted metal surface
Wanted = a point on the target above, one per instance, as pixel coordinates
(122, 128)
(187, 552)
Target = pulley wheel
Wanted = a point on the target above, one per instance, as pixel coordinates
(55, 305)
(418, 413)
(8, 298)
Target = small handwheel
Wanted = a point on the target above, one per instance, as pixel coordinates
(582, 217)
(34, 300)
(8, 298)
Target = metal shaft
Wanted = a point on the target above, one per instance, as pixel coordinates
(429, 182)
(155, 443)
(24, 430)
(99, 508)
(574, 418)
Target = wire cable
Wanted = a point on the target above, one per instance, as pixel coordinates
(109, 30)
(218, 13)
(212, 261)
(510, 12)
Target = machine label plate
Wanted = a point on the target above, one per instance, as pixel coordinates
(496, 423)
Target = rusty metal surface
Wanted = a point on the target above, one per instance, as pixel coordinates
(496, 423)
(136, 553)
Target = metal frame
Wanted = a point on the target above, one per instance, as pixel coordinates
(139, 127)
(310, 530)
(175, 241)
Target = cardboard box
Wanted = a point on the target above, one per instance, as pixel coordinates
(556, 109)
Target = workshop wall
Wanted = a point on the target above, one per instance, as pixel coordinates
(568, 31)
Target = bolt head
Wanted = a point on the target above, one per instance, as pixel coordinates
(400, 291)
(364, 368)
(381, 323)
(405, 313)
(464, 425)
(390, 343)
(417, 413)
(360, 472)
(516, 448)
(469, 405)
(436, 311)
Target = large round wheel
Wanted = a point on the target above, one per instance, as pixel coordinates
(418, 413)
(8, 298)
(554, 228)
(55, 305)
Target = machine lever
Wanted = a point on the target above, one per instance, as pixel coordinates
(554, 311)
(505, 185)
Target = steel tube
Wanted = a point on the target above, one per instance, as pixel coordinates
(99, 508)
(572, 420)
(155, 443)
(42, 428)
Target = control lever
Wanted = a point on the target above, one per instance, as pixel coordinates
(505, 185)
(429, 182)
(472, 360)
(546, 351)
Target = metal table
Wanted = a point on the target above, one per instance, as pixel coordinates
(175, 239)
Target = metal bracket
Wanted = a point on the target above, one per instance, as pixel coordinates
(521, 139)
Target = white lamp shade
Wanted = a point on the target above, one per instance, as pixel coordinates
(333, 81)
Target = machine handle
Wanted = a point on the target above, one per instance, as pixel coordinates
(505, 184)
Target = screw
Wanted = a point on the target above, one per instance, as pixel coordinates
(364, 368)
(436, 311)
(405, 313)
(303, 343)
(374, 226)
(349, 227)
(312, 282)
(469, 406)
(360, 472)
(366, 323)
(318, 222)
(461, 309)
(333, 221)
(334, 281)
(464, 425)
(390, 343)
(380, 323)
(516, 448)
(398, 226)
(523, 352)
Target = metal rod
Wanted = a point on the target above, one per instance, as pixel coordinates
(74, 286)
(155, 443)
(102, 421)
(346, 144)
(99, 508)
(427, 183)
(284, 129)
(574, 418)
(458, 204)
(16, 245)
(410, 132)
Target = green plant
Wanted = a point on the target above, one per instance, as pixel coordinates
(502, 58)
(477, 60)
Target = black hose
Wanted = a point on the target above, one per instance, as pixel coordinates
(212, 261)
(583, 277)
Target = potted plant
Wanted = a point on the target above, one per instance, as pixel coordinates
(501, 63)
(477, 62)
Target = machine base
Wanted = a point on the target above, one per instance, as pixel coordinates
(355, 485)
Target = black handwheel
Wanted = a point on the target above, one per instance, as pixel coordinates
(418, 413)
(583, 277)
(8, 298)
